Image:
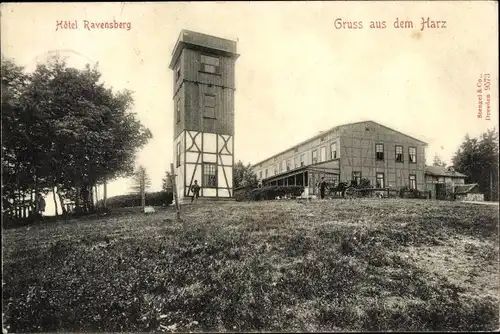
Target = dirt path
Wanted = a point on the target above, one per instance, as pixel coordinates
(484, 203)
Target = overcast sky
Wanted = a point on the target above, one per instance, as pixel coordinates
(297, 74)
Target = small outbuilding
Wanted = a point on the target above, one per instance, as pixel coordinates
(441, 181)
(468, 192)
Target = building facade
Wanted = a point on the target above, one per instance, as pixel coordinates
(348, 153)
(204, 86)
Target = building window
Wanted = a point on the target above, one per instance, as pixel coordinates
(412, 154)
(333, 151)
(356, 176)
(209, 106)
(275, 170)
(322, 154)
(178, 110)
(380, 180)
(413, 181)
(288, 167)
(210, 64)
(379, 150)
(178, 155)
(295, 162)
(210, 175)
(399, 153)
(302, 160)
(260, 175)
(314, 156)
(266, 173)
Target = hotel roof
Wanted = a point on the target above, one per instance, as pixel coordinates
(322, 133)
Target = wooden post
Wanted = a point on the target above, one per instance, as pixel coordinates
(143, 195)
(174, 189)
(105, 195)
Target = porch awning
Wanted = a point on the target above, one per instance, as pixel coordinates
(328, 167)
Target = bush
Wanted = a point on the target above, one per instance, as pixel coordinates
(364, 183)
(406, 192)
(154, 199)
(269, 193)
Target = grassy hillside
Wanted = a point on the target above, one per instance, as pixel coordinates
(275, 266)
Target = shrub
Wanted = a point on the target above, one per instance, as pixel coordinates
(269, 193)
(154, 199)
(406, 192)
(364, 183)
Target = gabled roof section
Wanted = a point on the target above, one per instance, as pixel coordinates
(335, 128)
(442, 171)
(465, 188)
(388, 128)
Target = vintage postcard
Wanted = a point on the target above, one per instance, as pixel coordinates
(250, 166)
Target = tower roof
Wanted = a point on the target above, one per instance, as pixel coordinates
(203, 42)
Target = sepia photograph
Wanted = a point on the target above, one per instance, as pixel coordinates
(258, 166)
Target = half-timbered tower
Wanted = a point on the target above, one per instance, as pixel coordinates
(204, 85)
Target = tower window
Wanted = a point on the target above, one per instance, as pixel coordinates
(178, 110)
(177, 73)
(210, 175)
(210, 64)
(209, 106)
(178, 155)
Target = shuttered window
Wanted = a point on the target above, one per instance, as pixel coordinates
(210, 64)
(209, 106)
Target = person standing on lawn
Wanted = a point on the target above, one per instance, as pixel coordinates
(40, 205)
(322, 187)
(195, 188)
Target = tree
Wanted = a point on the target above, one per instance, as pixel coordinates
(478, 159)
(65, 130)
(140, 180)
(167, 182)
(438, 162)
(21, 151)
(243, 175)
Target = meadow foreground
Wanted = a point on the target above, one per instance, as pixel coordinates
(339, 265)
